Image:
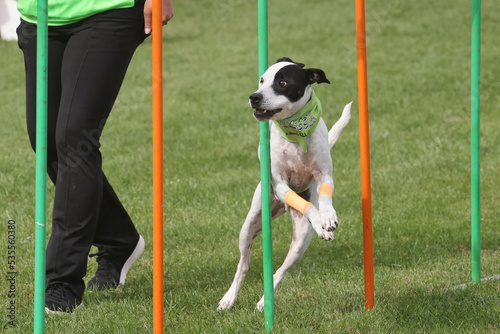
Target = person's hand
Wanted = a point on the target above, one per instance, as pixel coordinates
(167, 13)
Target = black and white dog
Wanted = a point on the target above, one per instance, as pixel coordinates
(301, 165)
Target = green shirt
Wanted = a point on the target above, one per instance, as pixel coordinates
(62, 12)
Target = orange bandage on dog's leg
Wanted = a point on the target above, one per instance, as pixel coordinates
(296, 202)
(326, 189)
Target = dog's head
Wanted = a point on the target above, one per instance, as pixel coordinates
(284, 89)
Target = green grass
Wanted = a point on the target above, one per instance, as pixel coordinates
(419, 96)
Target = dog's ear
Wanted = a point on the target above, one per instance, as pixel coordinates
(315, 75)
(288, 60)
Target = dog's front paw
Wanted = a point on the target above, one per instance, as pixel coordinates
(327, 235)
(323, 224)
(329, 221)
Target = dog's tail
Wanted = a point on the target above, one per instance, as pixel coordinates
(336, 129)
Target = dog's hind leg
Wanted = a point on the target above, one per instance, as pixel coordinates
(302, 235)
(251, 228)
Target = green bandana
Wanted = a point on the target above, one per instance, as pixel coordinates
(301, 125)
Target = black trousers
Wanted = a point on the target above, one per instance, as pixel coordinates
(87, 62)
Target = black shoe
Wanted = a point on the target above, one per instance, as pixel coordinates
(61, 300)
(111, 270)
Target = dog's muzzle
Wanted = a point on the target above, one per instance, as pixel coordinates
(259, 113)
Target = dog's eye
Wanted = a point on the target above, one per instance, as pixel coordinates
(282, 83)
(261, 81)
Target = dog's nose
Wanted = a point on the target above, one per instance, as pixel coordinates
(255, 98)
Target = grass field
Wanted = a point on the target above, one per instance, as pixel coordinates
(419, 97)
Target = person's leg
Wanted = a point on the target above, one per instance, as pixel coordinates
(56, 296)
(93, 65)
(27, 42)
(97, 55)
(112, 215)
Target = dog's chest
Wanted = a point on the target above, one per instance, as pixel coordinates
(294, 167)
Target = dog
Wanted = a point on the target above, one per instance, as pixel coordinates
(301, 165)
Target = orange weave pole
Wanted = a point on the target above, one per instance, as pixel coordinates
(157, 39)
(364, 143)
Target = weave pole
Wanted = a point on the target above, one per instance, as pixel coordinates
(265, 177)
(364, 143)
(41, 165)
(475, 137)
(157, 43)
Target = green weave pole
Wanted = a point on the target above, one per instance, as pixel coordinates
(265, 179)
(41, 166)
(475, 136)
